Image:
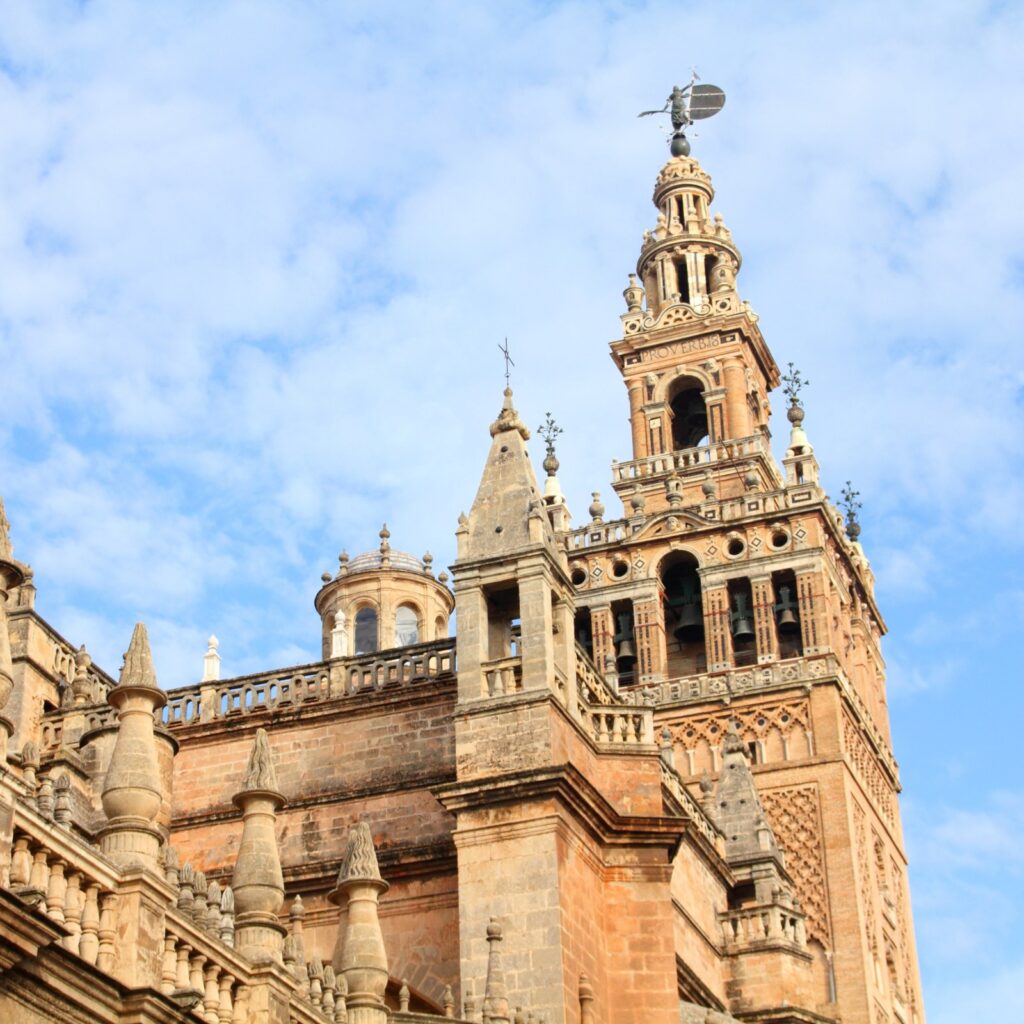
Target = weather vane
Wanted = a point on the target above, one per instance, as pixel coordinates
(503, 349)
(691, 103)
(794, 384)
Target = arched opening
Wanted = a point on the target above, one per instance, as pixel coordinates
(689, 413)
(585, 631)
(367, 641)
(787, 615)
(685, 653)
(741, 622)
(407, 626)
(624, 640)
(440, 628)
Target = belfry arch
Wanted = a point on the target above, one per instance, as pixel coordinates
(683, 607)
(688, 413)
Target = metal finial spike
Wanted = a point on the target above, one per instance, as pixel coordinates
(503, 349)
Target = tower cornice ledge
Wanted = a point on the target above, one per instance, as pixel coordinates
(569, 787)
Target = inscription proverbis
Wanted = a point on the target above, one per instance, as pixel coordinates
(678, 348)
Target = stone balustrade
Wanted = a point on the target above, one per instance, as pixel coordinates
(591, 685)
(671, 781)
(773, 923)
(623, 725)
(688, 460)
(403, 666)
(70, 882)
(502, 676)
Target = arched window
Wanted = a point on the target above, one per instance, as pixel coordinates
(407, 626)
(684, 615)
(366, 631)
(689, 413)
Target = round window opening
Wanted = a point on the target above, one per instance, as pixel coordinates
(578, 577)
(498, 529)
(620, 569)
(780, 539)
(504, 448)
(736, 546)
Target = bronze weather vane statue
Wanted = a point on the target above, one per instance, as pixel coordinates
(692, 102)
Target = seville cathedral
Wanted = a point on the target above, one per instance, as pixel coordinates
(649, 779)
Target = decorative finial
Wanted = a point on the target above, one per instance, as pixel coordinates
(596, 509)
(137, 669)
(385, 535)
(690, 103)
(503, 349)
(549, 431)
(851, 505)
(360, 861)
(793, 384)
(260, 774)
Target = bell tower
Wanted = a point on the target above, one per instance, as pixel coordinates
(734, 597)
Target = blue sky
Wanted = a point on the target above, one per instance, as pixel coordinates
(255, 260)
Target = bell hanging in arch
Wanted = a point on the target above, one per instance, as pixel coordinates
(786, 612)
(739, 617)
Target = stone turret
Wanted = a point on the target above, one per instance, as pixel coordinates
(132, 792)
(257, 882)
(11, 575)
(359, 956)
(513, 596)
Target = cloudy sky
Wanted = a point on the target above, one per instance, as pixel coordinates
(256, 258)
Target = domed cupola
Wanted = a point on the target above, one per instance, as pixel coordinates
(381, 600)
(689, 258)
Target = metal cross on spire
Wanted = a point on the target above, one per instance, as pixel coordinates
(503, 349)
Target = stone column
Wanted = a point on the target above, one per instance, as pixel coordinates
(811, 601)
(737, 415)
(649, 632)
(637, 419)
(132, 793)
(535, 613)
(602, 629)
(764, 619)
(717, 637)
(257, 882)
(359, 956)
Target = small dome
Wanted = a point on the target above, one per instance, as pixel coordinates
(371, 560)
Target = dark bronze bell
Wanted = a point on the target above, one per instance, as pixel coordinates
(742, 626)
(626, 655)
(686, 608)
(786, 612)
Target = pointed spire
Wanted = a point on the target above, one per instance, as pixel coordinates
(506, 514)
(738, 810)
(6, 552)
(257, 881)
(132, 789)
(360, 957)
(12, 573)
(495, 995)
(137, 669)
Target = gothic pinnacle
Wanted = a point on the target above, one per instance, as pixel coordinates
(132, 789)
(257, 881)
